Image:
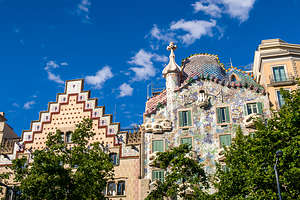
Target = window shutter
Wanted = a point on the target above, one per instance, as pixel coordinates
(153, 175)
(245, 110)
(180, 113)
(161, 176)
(158, 145)
(189, 118)
(154, 146)
(219, 116)
(161, 146)
(190, 142)
(222, 140)
(225, 140)
(228, 140)
(227, 115)
(259, 107)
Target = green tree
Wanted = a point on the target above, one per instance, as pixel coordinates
(251, 159)
(61, 172)
(184, 178)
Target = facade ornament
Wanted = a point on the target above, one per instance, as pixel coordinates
(172, 66)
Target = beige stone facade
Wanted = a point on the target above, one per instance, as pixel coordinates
(277, 65)
(68, 110)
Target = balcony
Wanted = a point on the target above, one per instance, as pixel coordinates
(283, 81)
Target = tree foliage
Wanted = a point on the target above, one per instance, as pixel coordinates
(61, 172)
(251, 159)
(184, 178)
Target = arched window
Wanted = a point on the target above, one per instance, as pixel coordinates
(233, 78)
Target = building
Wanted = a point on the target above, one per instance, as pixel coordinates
(277, 65)
(7, 136)
(202, 105)
(8, 139)
(68, 110)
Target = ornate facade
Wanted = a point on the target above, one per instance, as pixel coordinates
(202, 105)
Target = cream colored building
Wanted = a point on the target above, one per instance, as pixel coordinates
(68, 110)
(277, 65)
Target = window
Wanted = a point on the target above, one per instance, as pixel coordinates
(233, 78)
(158, 175)
(114, 158)
(223, 115)
(225, 140)
(111, 189)
(157, 146)
(280, 99)
(187, 140)
(185, 118)
(279, 74)
(69, 137)
(253, 108)
(121, 188)
(62, 135)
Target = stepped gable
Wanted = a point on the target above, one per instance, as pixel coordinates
(81, 106)
(204, 65)
(155, 102)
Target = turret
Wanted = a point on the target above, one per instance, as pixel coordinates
(171, 74)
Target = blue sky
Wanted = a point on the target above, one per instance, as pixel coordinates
(119, 47)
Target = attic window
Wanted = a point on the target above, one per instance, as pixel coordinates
(233, 78)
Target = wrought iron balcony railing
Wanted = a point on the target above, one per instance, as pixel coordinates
(288, 79)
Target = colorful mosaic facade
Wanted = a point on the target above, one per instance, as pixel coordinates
(204, 110)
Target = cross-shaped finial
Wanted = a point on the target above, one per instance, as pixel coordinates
(171, 46)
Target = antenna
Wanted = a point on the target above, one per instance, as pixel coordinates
(230, 63)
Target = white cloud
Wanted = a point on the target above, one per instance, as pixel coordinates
(144, 60)
(195, 29)
(83, 10)
(234, 8)
(64, 64)
(50, 65)
(55, 78)
(15, 105)
(125, 90)
(100, 77)
(208, 7)
(238, 8)
(161, 35)
(28, 105)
